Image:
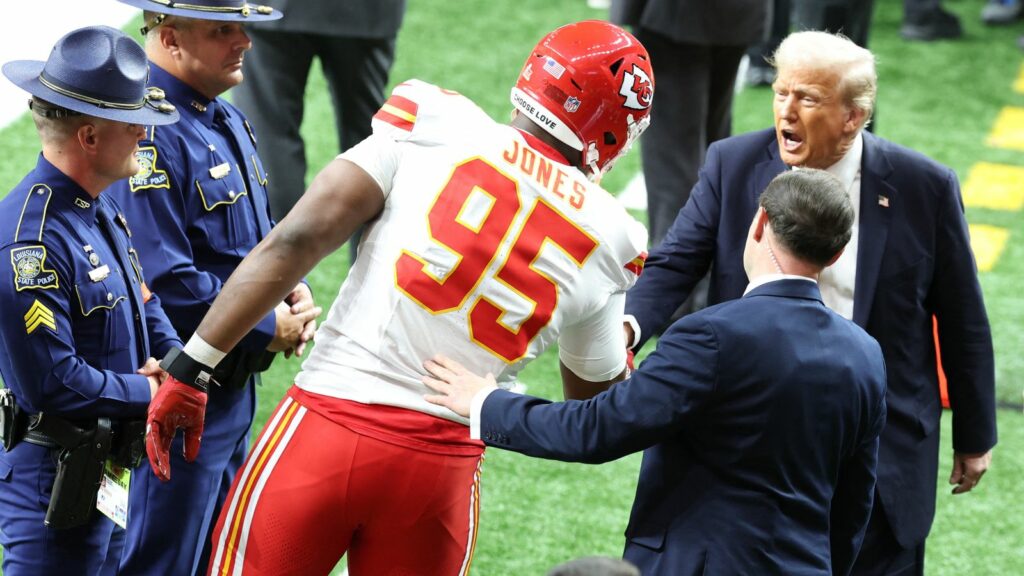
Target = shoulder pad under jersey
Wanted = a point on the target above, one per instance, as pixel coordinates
(427, 114)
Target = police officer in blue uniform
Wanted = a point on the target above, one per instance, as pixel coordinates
(198, 206)
(78, 327)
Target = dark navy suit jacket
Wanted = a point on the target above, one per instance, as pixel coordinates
(760, 419)
(914, 261)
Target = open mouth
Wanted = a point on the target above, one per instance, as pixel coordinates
(790, 140)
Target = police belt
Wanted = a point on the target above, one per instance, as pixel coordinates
(127, 442)
(84, 446)
(234, 370)
(83, 455)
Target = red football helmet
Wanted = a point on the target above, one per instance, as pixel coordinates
(590, 85)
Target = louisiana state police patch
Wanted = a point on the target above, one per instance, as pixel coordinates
(148, 176)
(30, 269)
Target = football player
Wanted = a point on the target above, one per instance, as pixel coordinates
(486, 242)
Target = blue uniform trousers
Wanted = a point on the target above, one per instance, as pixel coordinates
(177, 517)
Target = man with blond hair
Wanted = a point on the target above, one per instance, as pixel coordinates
(909, 260)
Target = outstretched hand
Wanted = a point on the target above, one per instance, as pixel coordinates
(454, 384)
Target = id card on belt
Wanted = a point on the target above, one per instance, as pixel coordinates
(112, 498)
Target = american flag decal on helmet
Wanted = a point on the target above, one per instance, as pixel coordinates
(636, 265)
(399, 112)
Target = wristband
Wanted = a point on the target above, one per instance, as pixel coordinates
(187, 370)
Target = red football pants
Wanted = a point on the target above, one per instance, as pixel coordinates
(312, 490)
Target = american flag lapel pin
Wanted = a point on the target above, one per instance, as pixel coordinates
(883, 201)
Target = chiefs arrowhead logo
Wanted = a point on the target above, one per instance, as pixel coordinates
(636, 89)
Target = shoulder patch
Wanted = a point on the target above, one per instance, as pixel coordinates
(399, 112)
(30, 269)
(636, 265)
(39, 315)
(148, 176)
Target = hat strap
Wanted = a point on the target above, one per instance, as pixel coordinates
(244, 9)
(156, 21)
(89, 99)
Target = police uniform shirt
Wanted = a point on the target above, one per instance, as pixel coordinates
(198, 205)
(74, 327)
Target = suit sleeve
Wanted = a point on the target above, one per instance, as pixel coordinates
(965, 338)
(683, 258)
(854, 496)
(160, 218)
(49, 374)
(672, 386)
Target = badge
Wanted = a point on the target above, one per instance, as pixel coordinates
(98, 274)
(219, 171)
(30, 269)
(112, 498)
(39, 315)
(148, 175)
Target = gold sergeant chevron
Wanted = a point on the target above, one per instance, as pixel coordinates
(39, 315)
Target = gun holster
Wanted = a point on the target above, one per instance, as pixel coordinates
(80, 462)
(13, 421)
(129, 443)
(234, 370)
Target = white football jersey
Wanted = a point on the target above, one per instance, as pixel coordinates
(489, 248)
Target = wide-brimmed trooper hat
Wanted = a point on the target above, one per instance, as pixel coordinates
(234, 10)
(98, 71)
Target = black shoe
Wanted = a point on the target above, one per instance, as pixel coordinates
(937, 25)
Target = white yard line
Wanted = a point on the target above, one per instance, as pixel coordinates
(29, 30)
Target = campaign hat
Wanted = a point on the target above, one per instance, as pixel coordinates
(99, 71)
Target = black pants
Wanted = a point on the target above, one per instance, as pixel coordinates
(694, 108)
(273, 97)
(882, 555)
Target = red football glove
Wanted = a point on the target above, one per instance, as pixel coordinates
(176, 405)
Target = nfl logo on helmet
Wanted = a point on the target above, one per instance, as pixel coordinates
(572, 104)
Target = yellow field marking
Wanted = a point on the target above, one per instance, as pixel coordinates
(995, 186)
(988, 243)
(1008, 131)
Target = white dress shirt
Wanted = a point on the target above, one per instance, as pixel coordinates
(838, 280)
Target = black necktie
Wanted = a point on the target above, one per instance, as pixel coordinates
(106, 224)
